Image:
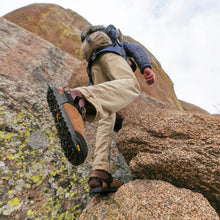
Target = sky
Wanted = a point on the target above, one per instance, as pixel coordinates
(183, 35)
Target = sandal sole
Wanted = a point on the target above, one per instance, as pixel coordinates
(72, 142)
(102, 190)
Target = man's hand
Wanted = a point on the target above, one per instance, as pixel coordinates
(149, 76)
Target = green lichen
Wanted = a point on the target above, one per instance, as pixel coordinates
(41, 180)
(30, 213)
(14, 202)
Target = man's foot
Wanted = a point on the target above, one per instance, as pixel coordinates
(103, 182)
(67, 107)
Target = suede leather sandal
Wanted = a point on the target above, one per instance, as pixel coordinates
(105, 186)
(68, 117)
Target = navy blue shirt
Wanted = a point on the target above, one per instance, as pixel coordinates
(128, 49)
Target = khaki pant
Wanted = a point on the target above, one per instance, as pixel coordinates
(115, 86)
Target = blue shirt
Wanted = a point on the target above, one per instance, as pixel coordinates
(128, 49)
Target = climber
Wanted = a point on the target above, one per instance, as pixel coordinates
(113, 86)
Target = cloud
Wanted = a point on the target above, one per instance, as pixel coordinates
(184, 36)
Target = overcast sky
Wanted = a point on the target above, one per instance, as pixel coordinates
(183, 35)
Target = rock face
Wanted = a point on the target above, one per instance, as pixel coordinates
(174, 146)
(150, 199)
(35, 178)
(158, 139)
(192, 108)
(53, 23)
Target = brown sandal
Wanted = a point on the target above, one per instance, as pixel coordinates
(105, 186)
(68, 117)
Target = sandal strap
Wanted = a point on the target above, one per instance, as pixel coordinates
(101, 180)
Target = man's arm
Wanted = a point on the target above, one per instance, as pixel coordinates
(142, 59)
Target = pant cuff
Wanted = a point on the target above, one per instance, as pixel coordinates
(102, 167)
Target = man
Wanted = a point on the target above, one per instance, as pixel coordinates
(113, 87)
